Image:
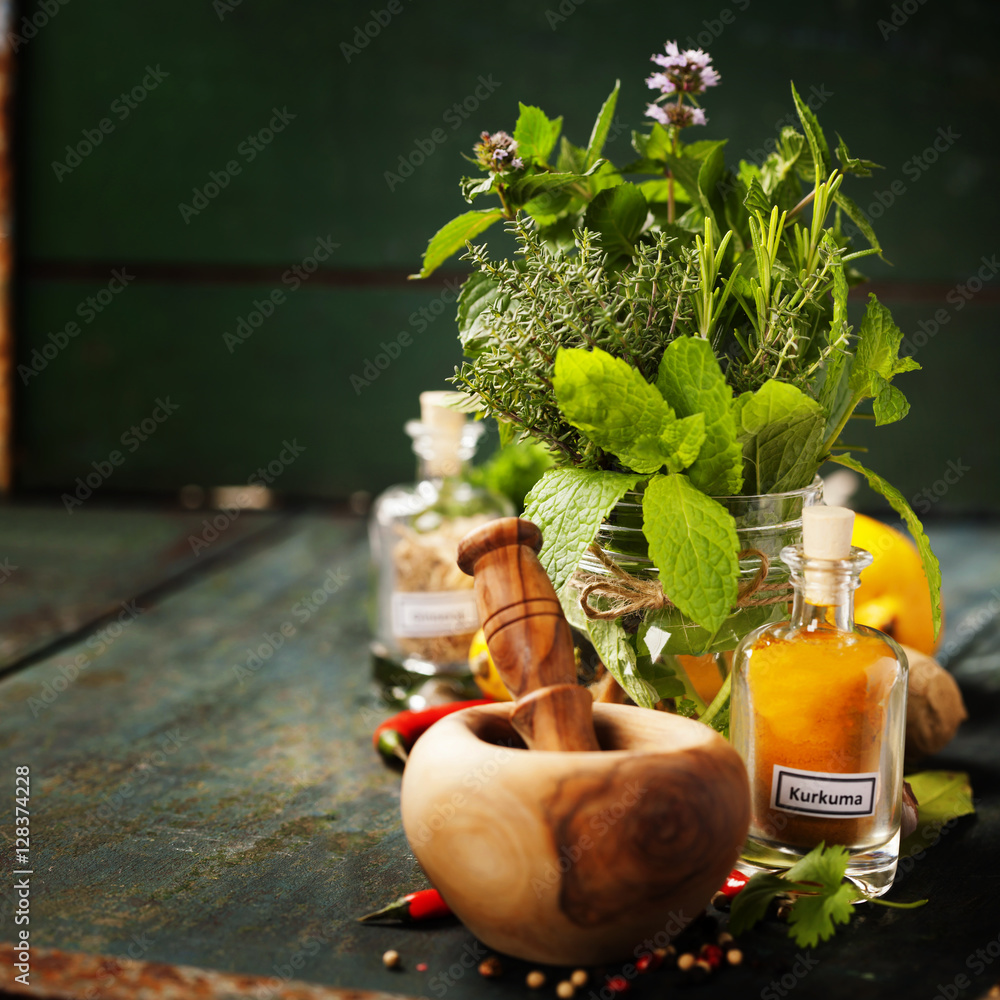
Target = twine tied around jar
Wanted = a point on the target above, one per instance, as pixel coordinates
(629, 594)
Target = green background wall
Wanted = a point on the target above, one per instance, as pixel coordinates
(324, 176)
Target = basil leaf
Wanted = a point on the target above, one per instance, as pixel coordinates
(691, 381)
(535, 133)
(453, 236)
(692, 540)
(568, 506)
(932, 569)
(781, 431)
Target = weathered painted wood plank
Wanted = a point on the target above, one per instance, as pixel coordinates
(206, 793)
(59, 571)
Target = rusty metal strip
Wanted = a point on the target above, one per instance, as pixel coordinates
(62, 975)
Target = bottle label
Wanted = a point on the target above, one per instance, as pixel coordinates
(428, 614)
(817, 793)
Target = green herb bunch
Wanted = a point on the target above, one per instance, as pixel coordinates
(683, 335)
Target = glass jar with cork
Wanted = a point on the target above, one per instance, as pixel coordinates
(425, 610)
(819, 716)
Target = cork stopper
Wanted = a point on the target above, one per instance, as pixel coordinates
(443, 427)
(437, 416)
(826, 534)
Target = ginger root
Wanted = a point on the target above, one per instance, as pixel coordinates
(934, 708)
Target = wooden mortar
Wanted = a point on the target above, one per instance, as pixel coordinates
(559, 831)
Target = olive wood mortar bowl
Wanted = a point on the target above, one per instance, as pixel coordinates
(575, 857)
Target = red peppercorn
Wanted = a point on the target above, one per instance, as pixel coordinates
(735, 881)
(648, 962)
(712, 954)
(618, 984)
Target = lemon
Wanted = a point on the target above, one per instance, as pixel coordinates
(484, 671)
(893, 596)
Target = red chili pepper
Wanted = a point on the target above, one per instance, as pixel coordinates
(426, 904)
(397, 734)
(735, 881)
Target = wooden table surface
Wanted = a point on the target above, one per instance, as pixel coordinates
(204, 791)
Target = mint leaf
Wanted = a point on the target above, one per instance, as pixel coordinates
(932, 569)
(524, 189)
(941, 797)
(682, 441)
(472, 187)
(613, 405)
(877, 360)
(535, 133)
(568, 506)
(814, 136)
(599, 134)
(692, 541)
(781, 431)
(619, 657)
(756, 200)
(691, 381)
(453, 236)
(479, 296)
(618, 214)
(852, 165)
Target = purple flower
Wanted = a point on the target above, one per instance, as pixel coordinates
(687, 72)
(493, 152)
(679, 115)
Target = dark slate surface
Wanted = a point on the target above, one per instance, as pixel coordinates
(237, 818)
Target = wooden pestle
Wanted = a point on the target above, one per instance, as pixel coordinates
(528, 635)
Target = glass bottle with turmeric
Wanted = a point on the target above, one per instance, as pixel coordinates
(819, 716)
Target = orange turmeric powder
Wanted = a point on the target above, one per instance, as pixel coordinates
(818, 703)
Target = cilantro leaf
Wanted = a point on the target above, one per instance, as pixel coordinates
(692, 382)
(781, 430)
(932, 569)
(568, 506)
(692, 540)
(751, 903)
(822, 898)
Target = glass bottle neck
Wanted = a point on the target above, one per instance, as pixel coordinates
(824, 588)
(443, 453)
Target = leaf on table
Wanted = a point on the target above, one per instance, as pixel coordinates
(932, 569)
(535, 133)
(781, 430)
(610, 401)
(691, 381)
(568, 506)
(453, 236)
(942, 796)
(692, 540)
